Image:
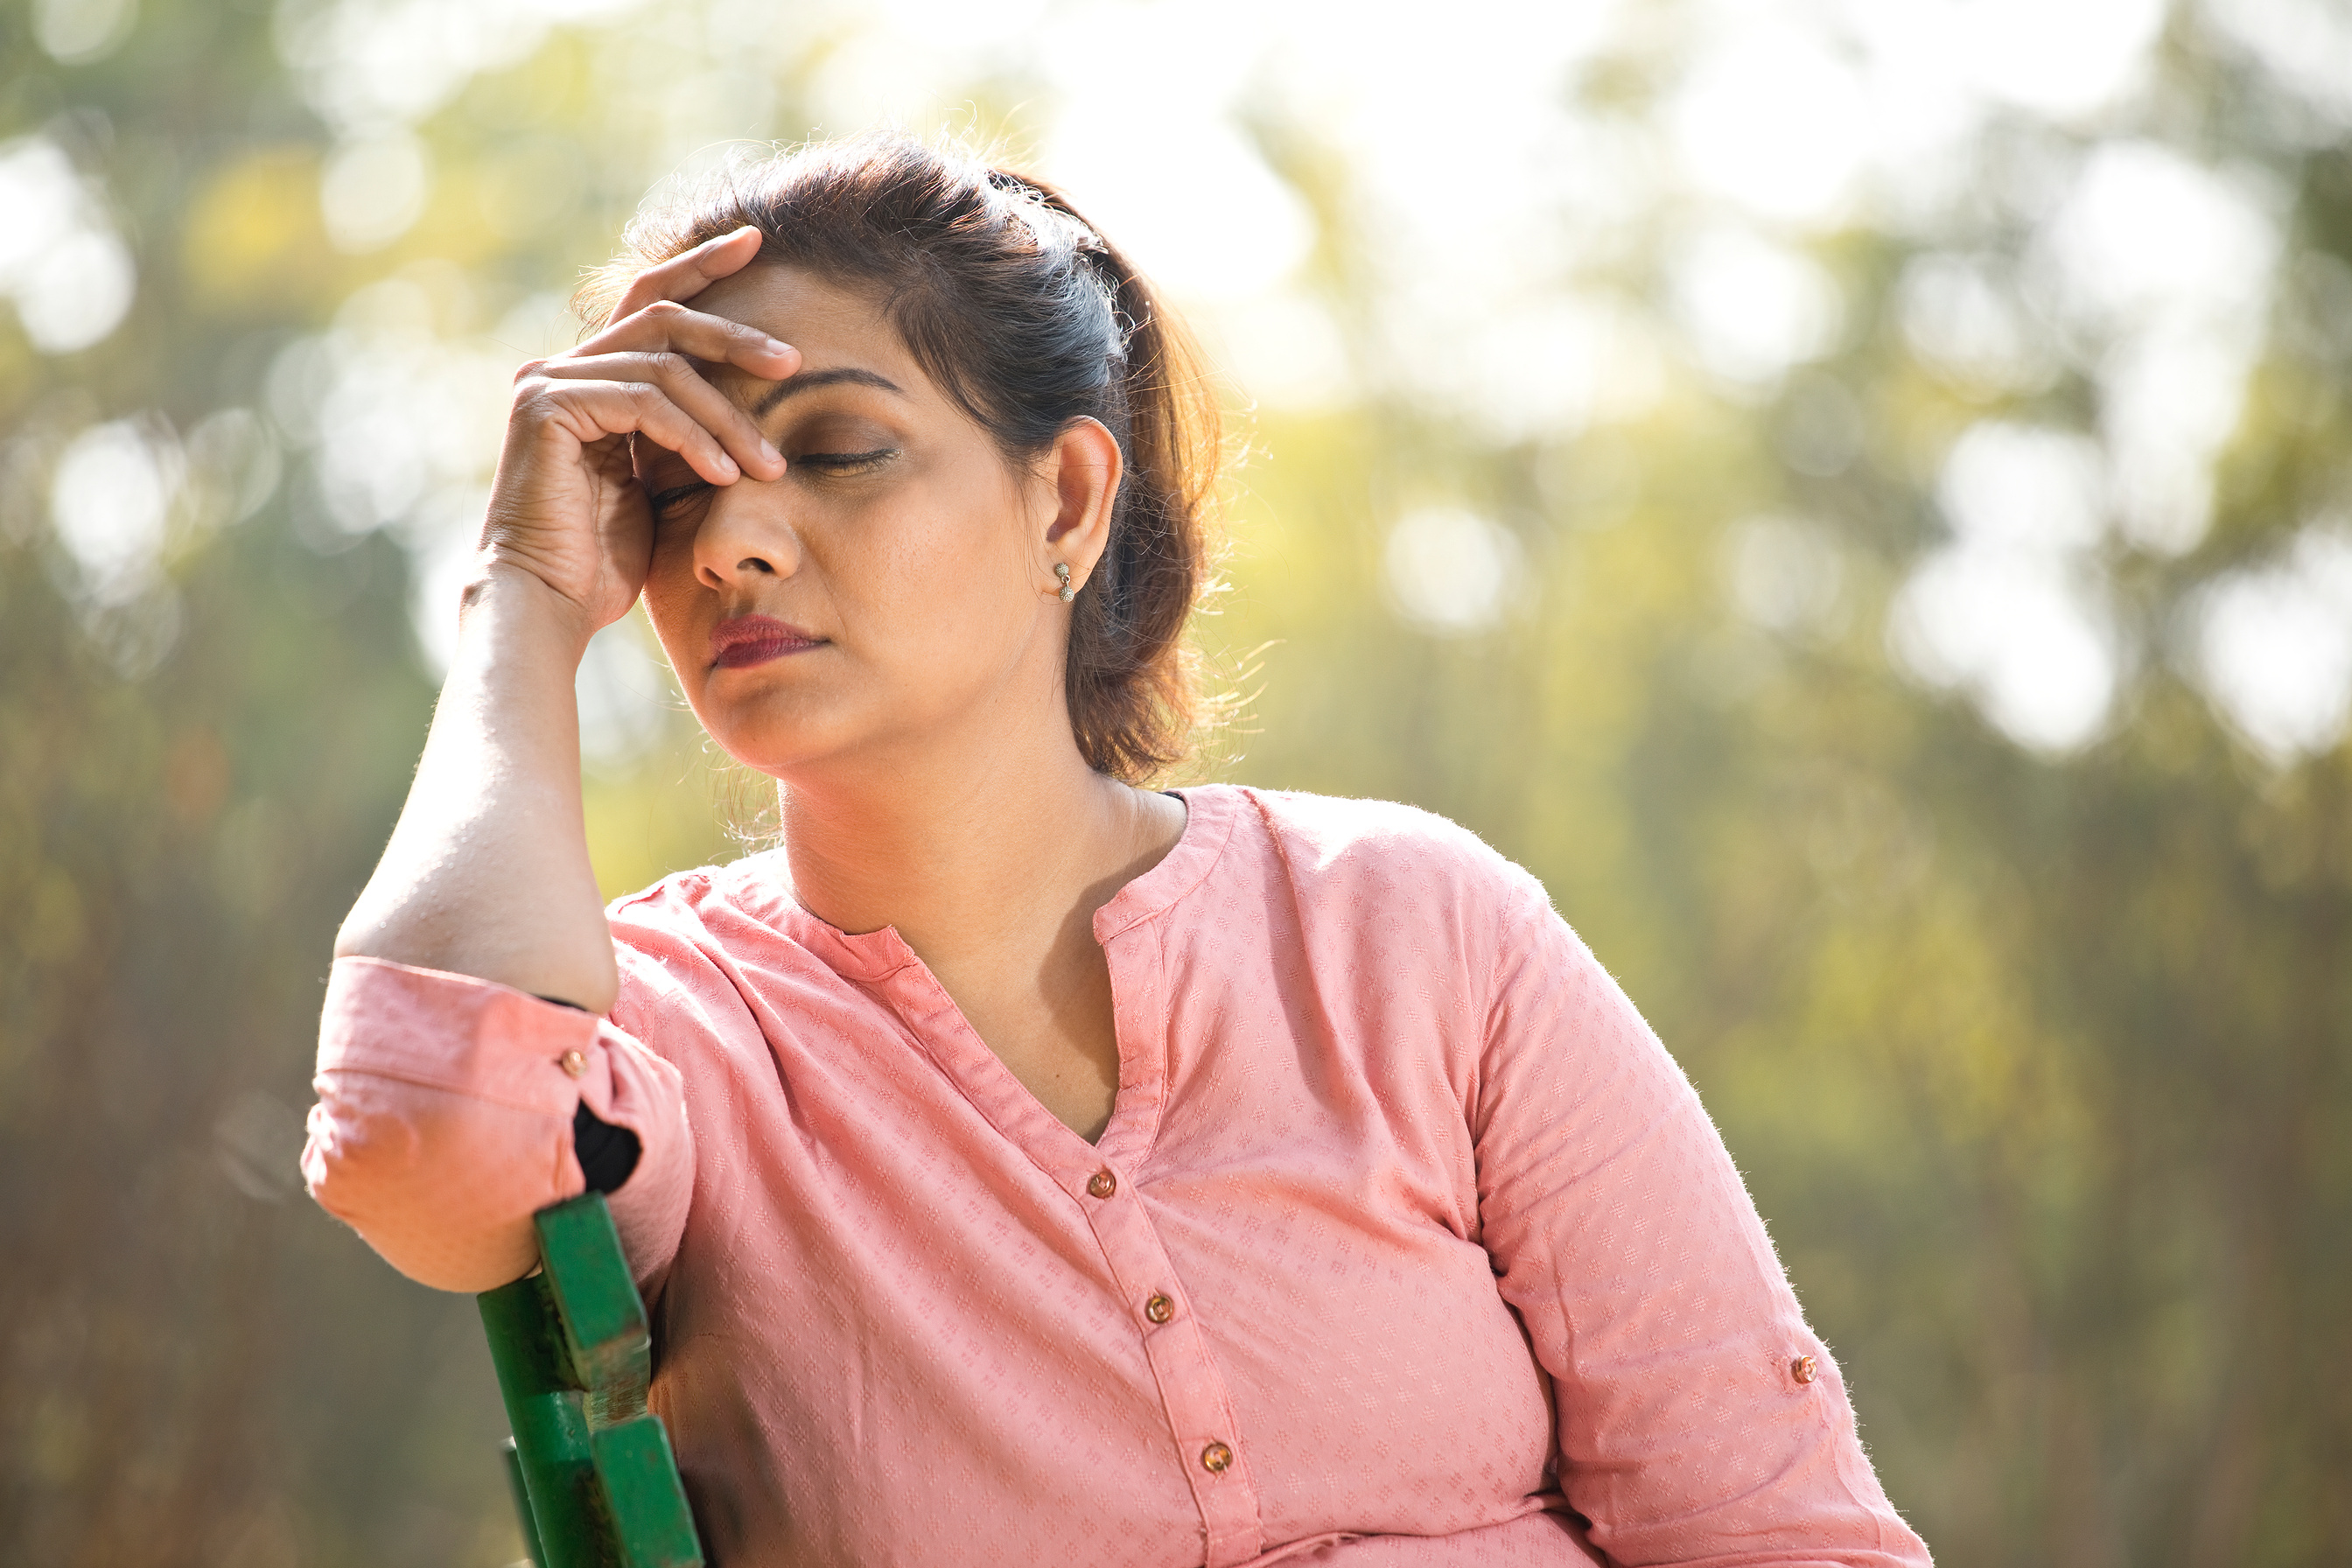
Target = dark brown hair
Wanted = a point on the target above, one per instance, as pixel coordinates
(1027, 318)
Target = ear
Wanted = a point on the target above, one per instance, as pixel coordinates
(1083, 467)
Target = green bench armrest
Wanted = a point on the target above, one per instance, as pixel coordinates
(591, 1467)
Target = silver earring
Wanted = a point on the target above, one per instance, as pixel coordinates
(1062, 575)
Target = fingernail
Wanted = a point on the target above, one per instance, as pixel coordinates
(767, 450)
(776, 347)
(727, 467)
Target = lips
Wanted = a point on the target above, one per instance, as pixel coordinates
(748, 640)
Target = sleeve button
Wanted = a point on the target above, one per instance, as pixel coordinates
(1216, 1459)
(1102, 1184)
(1160, 1309)
(572, 1063)
(1803, 1369)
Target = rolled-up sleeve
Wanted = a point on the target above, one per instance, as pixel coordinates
(1700, 1421)
(444, 1121)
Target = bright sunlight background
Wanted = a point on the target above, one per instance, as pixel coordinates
(1853, 492)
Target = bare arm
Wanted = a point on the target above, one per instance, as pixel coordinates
(488, 873)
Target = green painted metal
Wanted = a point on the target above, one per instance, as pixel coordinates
(597, 1301)
(547, 1408)
(574, 1357)
(640, 1478)
(522, 1504)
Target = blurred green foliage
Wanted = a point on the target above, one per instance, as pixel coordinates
(2037, 1062)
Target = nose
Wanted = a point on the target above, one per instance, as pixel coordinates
(745, 537)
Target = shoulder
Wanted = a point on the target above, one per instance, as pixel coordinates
(1325, 835)
(1388, 852)
(712, 917)
(702, 897)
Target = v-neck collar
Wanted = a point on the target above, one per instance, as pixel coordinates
(1208, 825)
(881, 962)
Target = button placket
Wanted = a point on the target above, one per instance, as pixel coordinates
(1191, 1388)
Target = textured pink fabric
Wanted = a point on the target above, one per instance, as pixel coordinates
(1409, 1168)
(445, 1120)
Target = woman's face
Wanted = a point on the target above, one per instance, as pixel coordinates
(890, 588)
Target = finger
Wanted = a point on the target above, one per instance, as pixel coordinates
(685, 276)
(668, 325)
(683, 385)
(590, 411)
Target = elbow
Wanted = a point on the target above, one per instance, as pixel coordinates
(389, 923)
(443, 1186)
(581, 973)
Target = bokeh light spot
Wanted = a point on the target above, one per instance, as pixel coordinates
(1450, 571)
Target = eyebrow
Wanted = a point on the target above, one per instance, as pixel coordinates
(848, 375)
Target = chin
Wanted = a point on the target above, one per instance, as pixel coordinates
(778, 752)
(780, 738)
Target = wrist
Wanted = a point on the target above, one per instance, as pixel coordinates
(513, 598)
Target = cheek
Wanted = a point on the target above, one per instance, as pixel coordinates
(678, 610)
(949, 571)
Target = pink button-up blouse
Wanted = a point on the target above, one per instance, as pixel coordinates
(1406, 1243)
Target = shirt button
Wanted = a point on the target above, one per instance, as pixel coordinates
(572, 1062)
(1802, 1369)
(1102, 1184)
(1160, 1309)
(1216, 1459)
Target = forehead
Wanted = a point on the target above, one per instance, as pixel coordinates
(830, 324)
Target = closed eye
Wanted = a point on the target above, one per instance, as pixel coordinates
(844, 462)
(661, 501)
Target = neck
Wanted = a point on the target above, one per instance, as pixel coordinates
(952, 852)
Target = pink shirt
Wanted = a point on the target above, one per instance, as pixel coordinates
(1407, 1243)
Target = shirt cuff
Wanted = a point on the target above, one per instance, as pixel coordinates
(449, 1112)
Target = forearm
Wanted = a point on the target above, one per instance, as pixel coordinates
(487, 872)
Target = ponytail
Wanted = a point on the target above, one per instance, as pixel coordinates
(1132, 683)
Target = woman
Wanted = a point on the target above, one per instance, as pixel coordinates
(1026, 1167)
